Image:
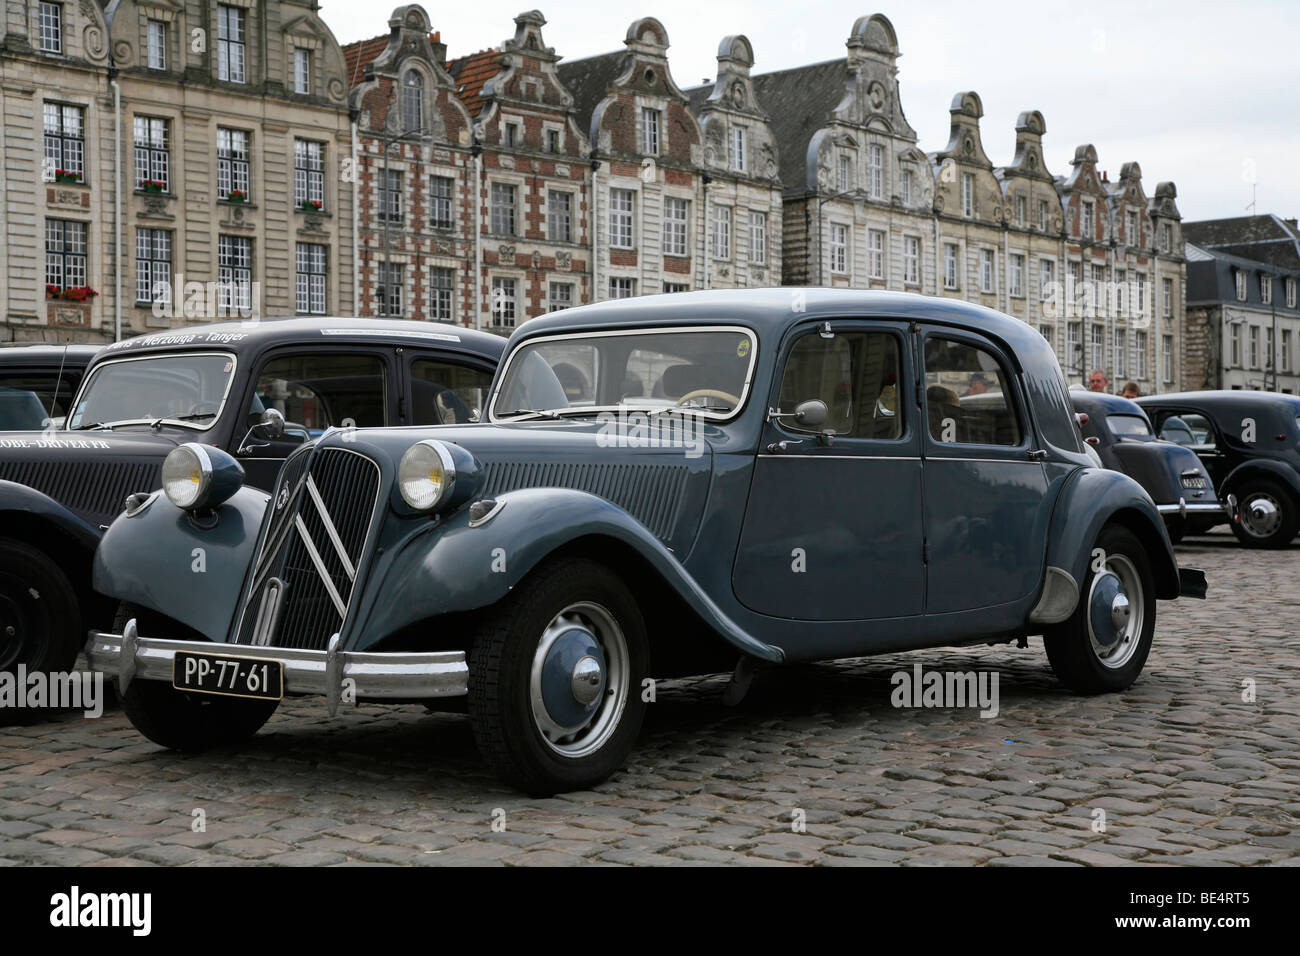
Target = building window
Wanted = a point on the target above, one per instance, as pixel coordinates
(986, 270)
(65, 253)
(153, 265)
(675, 213)
(1042, 214)
(1099, 288)
(505, 301)
(757, 237)
(559, 216)
(1270, 356)
(561, 296)
(302, 71)
(622, 205)
(621, 288)
(839, 248)
(722, 232)
(157, 45)
(512, 134)
(949, 265)
(1121, 353)
(1167, 358)
(1290, 293)
(1098, 354)
(1234, 342)
(846, 174)
(235, 273)
(1131, 235)
(503, 209)
(1072, 344)
(650, 131)
(907, 187)
(1046, 278)
(1284, 359)
(390, 196)
(441, 189)
(440, 285)
(231, 61)
(1140, 346)
(51, 24)
(1167, 297)
(65, 140)
(232, 164)
(1046, 332)
(739, 148)
(875, 253)
(1089, 228)
(1266, 289)
(1240, 276)
(670, 287)
(1018, 275)
(1020, 211)
(1254, 346)
(968, 194)
(388, 289)
(412, 102)
(876, 170)
(311, 278)
(1140, 303)
(152, 152)
(553, 140)
(911, 260)
(308, 172)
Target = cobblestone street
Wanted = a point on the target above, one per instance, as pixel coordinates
(1185, 771)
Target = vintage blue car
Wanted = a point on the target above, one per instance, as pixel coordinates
(660, 486)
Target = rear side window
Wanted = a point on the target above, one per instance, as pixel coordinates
(443, 393)
(1128, 425)
(324, 391)
(855, 374)
(968, 396)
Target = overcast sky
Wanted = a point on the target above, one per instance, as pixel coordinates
(1203, 93)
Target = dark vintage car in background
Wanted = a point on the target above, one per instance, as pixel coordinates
(1179, 484)
(1250, 445)
(663, 485)
(37, 383)
(256, 390)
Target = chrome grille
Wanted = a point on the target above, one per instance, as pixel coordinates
(312, 552)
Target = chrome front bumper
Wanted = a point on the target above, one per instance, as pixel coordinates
(374, 675)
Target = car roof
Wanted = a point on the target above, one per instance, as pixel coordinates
(1103, 403)
(255, 335)
(1222, 399)
(48, 353)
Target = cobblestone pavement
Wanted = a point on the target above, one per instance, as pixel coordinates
(1185, 771)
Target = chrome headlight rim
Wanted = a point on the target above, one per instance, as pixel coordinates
(204, 462)
(448, 465)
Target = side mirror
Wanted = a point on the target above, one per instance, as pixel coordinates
(810, 414)
(271, 426)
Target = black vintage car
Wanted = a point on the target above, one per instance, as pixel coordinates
(257, 390)
(1121, 434)
(1250, 444)
(37, 383)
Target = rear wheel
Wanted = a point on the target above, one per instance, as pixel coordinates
(555, 679)
(40, 618)
(1103, 646)
(1268, 516)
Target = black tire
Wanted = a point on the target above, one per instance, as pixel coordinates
(40, 616)
(191, 723)
(500, 703)
(1074, 656)
(1256, 532)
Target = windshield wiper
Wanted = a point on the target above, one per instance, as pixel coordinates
(534, 412)
(97, 426)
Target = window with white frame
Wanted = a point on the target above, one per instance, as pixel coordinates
(65, 253)
(311, 278)
(1121, 353)
(621, 287)
(553, 140)
(309, 173)
(738, 158)
(156, 37)
(1017, 275)
(676, 211)
(412, 102)
(876, 253)
(722, 232)
(1131, 227)
(231, 52)
(512, 135)
(65, 139)
(650, 131)
(1021, 214)
(1240, 276)
(1284, 356)
(505, 301)
(1269, 354)
(1140, 295)
(442, 190)
(1165, 236)
(51, 27)
(153, 265)
(839, 248)
(757, 237)
(622, 206)
(1234, 345)
(1089, 230)
(441, 281)
(987, 269)
(1042, 214)
(152, 152)
(1167, 358)
(1046, 278)
(1290, 293)
(561, 296)
(876, 170)
(301, 71)
(911, 260)
(1121, 283)
(1099, 288)
(950, 272)
(907, 187)
(1098, 354)
(1167, 297)
(232, 164)
(1140, 353)
(1253, 339)
(1266, 289)
(676, 287)
(388, 289)
(235, 272)
(846, 173)
(1072, 344)
(503, 209)
(1046, 332)
(559, 216)
(390, 196)
(968, 194)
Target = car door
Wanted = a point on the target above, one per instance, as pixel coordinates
(1197, 431)
(315, 390)
(832, 527)
(986, 513)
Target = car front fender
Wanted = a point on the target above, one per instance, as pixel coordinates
(161, 559)
(454, 566)
(38, 511)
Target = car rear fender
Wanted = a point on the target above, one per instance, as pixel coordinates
(1278, 472)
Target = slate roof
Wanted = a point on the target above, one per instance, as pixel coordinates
(470, 73)
(798, 103)
(1266, 238)
(588, 80)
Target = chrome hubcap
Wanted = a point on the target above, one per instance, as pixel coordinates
(1119, 612)
(1261, 515)
(586, 680)
(1116, 612)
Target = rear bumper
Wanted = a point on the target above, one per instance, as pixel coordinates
(1183, 509)
(373, 675)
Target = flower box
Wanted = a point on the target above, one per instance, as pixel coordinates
(237, 195)
(66, 176)
(76, 293)
(311, 205)
(152, 185)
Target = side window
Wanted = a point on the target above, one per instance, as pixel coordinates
(967, 395)
(446, 394)
(855, 374)
(317, 392)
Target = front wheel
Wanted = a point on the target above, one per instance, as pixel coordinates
(40, 618)
(1104, 644)
(1268, 516)
(555, 679)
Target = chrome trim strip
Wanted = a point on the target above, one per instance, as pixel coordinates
(328, 521)
(321, 570)
(995, 461)
(225, 396)
(831, 456)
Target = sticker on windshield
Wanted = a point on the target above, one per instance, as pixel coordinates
(742, 349)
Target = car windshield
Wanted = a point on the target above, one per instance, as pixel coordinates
(1128, 425)
(188, 390)
(705, 370)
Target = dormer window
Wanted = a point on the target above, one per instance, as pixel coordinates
(968, 194)
(846, 174)
(876, 170)
(512, 134)
(412, 102)
(1240, 276)
(1089, 223)
(231, 52)
(738, 158)
(51, 27)
(650, 132)
(302, 71)
(157, 47)
(1131, 234)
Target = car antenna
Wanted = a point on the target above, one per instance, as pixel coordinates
(58, 382)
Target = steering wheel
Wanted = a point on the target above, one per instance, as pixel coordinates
(708, 393)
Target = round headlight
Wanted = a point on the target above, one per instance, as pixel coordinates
(198, 476)
(426, 475)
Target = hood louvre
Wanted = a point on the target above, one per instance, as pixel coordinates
(92, 490)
